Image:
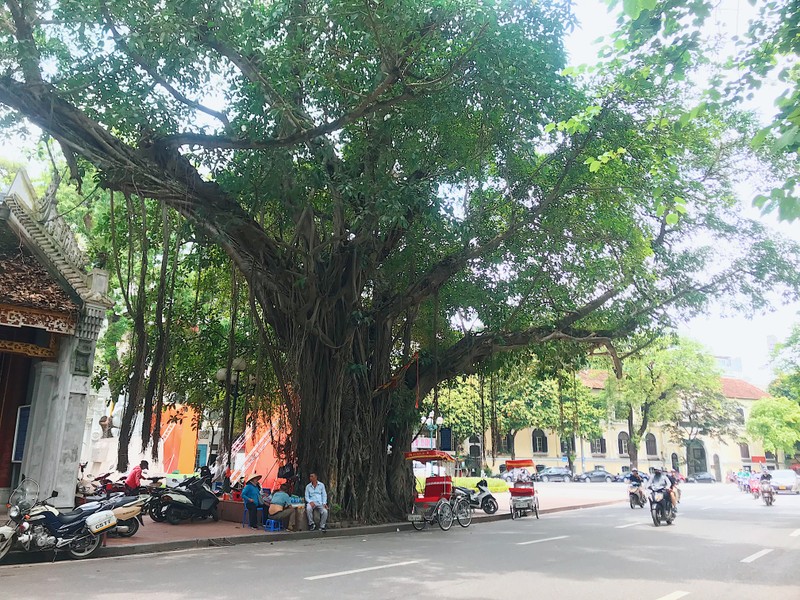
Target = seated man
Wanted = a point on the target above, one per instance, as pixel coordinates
(251, 496)
(281, 509)
(316, 500)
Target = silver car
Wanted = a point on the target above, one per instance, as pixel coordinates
(785, 480)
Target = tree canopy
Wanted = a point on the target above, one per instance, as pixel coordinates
(404, 179)
(776, 423)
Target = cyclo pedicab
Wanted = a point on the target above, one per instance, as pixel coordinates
(523, 495)
(438, 503)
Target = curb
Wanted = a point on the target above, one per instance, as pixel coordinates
(157, 547)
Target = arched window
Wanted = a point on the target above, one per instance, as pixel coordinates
(744, 450)
(539, 442)
(650, 445)
(675, 463)
(622, 443)
(568, 445)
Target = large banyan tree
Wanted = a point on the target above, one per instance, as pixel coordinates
(408, 186)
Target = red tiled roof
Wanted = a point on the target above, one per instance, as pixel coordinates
(731, 387)
(738, 388)
(594, 378)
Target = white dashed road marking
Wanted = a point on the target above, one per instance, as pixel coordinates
(351, 572)
(757, 555)
(560, 537)
(674, 596)
(628, 525)
(795, 533)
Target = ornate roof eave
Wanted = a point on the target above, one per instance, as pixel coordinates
(46, 234)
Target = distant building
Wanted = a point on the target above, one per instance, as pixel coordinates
(657, 449)
(730, 365)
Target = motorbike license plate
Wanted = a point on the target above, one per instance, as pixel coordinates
(416, 518)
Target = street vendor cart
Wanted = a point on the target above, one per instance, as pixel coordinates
(523, 494)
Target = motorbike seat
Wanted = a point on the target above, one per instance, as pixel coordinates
(72, 516)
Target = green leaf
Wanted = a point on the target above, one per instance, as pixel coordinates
(672, 218)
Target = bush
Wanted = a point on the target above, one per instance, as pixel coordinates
(496, 486)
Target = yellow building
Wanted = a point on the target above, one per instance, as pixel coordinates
(656, 449)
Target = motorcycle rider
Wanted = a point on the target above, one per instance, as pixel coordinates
(661, 482)
(636, 478)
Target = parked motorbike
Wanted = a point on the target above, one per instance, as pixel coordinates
(199, 503)
(481, 498)
(36, 525)
(766, 493)
(661, 508)
(128, 511)
(636, 495)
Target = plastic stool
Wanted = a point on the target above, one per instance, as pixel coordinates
(245, 519)
(273, 525)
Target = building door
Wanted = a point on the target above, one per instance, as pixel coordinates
(696, 458)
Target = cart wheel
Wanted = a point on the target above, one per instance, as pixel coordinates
(536, 510)
(513, 514)
(445, 515)
(463, 512)
(418, 525)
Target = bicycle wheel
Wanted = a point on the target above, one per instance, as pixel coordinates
(444, 513)
(418, 525)
(463, 512)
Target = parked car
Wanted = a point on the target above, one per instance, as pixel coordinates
(556, 474)
(701, 477)
(785, 480)
(521, 474)
(596, 475)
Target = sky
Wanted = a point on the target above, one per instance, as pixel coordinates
(746, 338)
(742, 337)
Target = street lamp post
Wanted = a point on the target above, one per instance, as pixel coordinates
(238, 365)
(432, 425)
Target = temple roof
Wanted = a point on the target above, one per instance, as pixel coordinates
(24, 281)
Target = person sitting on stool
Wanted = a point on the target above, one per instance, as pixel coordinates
(251, 496)
(316, 500)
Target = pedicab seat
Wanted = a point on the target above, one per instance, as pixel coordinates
(427, 499)
(441, 486)
(521, 491)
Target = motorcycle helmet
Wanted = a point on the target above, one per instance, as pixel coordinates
(657, 470)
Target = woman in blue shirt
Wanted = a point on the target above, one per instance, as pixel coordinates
(251, 496)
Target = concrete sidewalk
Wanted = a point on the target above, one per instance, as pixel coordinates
(163, 537)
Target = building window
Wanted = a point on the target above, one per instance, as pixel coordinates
(740, 416)
(744, 450)
(539, 442)
(568, 445)
(622, 443)
(598, 446)
(769, 455)
(650, 445)
(675, 462)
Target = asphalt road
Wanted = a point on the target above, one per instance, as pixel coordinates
(723, 545)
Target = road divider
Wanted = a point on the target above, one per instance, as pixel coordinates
(757, 555)
(364, 570)
(560, 537)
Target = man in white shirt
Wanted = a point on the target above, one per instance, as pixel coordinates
(316, 500)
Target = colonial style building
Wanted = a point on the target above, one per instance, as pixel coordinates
(610, 451)
(51, 312)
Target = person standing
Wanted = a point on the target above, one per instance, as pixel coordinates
(134, 479)
(251, 496)
(316, 500)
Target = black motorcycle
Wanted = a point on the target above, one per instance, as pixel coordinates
(198, 502)
(34, 525)
(661, 508)
(481, 498)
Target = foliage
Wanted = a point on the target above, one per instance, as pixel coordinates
(673, 382)
(786, 360)
(776, 422)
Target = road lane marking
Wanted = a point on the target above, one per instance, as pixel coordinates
(351, 572)
(795, 533)
(708, 508)
(757, 555)
(674, 595)
(624, 526)
(560, 537)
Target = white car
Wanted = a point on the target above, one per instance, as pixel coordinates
(785, 480)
